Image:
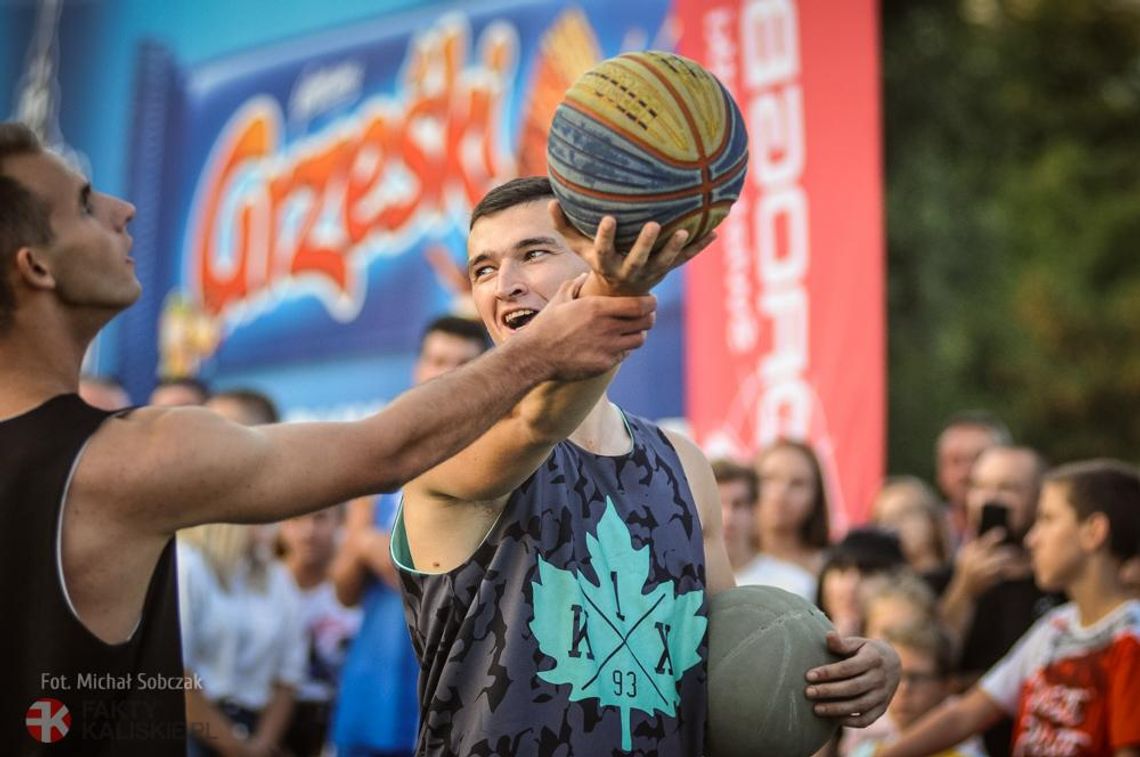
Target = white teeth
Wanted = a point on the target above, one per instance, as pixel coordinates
(518, 318)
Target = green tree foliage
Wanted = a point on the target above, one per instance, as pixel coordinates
(1013, 221)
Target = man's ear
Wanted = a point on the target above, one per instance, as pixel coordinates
(32, 268)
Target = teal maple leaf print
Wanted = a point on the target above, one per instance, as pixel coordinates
(613, 641)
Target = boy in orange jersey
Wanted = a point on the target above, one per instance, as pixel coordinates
(1072, 684)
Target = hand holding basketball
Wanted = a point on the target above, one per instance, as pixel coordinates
(637, 271)
(858, 688)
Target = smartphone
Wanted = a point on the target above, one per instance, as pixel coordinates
(995, 515)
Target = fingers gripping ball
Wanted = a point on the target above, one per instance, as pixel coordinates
(647, 136)
(762, 642)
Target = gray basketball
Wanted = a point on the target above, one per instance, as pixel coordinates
(762, 642)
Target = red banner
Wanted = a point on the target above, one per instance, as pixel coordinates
(785, 330)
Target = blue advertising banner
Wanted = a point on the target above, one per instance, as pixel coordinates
(301, 203)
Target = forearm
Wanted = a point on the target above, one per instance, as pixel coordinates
(275, 717)
(949, 724)
(348, 574)
(373, 549)
(211, 725)
(957, 609)
(552, 411)
(432, 422)
(935, 733)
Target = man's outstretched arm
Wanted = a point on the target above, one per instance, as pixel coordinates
(165, 469)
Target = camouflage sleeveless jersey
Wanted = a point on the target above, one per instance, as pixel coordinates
(578, 626)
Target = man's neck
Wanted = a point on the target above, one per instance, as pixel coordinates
(40, 358)
(29, 378)
(603, 430)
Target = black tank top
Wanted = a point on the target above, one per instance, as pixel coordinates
(62, 690)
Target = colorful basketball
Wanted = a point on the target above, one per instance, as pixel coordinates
(762, 643)
(647, 136)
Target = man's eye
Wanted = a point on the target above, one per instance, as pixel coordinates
(531, 254)
(481, 271)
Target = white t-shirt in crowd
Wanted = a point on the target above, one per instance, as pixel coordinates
(765, 570)
(329, 629)
(242, 641)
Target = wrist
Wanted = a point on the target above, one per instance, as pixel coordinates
(522, 356)
(597, 284)
(960, 587)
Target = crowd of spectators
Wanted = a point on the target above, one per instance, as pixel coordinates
(297, 630)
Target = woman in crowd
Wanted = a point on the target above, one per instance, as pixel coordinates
(242, 636)
(909, 507)
(791, 520)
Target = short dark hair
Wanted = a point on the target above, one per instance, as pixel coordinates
(726, 471)
(514, 192)
(258, 403)
(1105, 486)
(25, 219)
(868, 549)
(457, 326)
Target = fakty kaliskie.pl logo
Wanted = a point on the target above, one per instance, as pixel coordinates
(48, 720)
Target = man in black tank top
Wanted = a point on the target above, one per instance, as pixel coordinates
(90, 501)
(555, 573)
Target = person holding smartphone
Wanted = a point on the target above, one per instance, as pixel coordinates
(993, 577)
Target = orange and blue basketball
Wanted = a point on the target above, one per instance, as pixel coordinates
(647, 136)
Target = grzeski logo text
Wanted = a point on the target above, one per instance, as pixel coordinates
(271, 221)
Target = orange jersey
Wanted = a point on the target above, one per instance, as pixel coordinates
(1072, 690)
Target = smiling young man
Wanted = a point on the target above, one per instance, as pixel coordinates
(556, 571)
(90, 500)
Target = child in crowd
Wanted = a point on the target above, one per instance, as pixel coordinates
(925, 654)
(863, 553)
(1072, 684)
(309, 543)
(895, 600)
